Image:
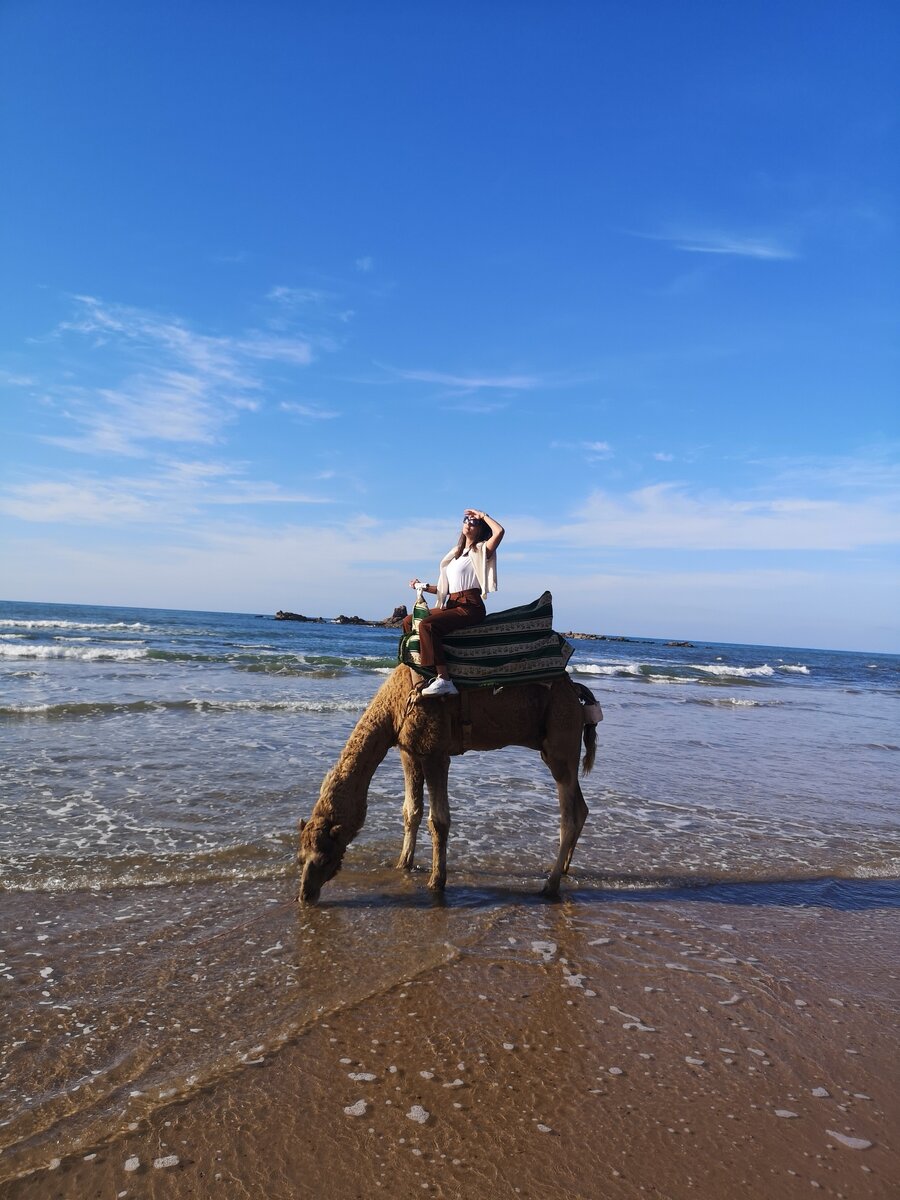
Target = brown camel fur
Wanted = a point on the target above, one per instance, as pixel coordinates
(544, 717)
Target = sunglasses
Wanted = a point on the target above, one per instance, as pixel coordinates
(471, 521)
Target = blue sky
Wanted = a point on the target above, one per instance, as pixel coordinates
(287, 287)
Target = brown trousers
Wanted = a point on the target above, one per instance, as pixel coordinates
(463, 608)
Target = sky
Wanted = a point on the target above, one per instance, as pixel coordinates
(287, 287)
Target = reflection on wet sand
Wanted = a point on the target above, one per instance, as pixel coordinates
(492, 1044)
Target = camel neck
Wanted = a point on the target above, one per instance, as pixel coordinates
(368, 743)
(343, 796)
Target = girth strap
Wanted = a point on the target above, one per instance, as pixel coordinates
(465, 719)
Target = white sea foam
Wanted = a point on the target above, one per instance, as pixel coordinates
(622, 668)
(797, 668)
(654, 672)
(83, 654)
(671, 679)
(310, 706)
(739, 672)
(12, 623)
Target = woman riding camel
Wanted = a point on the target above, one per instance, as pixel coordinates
(467, 573)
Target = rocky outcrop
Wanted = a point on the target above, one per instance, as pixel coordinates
(608, 637)
(396, 619)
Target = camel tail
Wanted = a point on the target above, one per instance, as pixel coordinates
(590, 748)
(593, 713)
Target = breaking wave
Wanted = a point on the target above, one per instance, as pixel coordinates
(108, 708)
(706, 673)
(25, 625)
(46, 650)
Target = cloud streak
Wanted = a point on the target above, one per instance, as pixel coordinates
(721, 243)
(310, 411)
(474, 381)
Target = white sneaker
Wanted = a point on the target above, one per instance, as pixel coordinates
(440, 687)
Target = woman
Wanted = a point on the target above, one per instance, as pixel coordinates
(468, 572)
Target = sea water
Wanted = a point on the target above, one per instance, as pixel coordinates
(145, 746)
(154, 764)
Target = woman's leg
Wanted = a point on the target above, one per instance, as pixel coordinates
(433, 629)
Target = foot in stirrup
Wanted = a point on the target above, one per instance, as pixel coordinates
(440, 687)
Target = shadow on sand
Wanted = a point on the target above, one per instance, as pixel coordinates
(840, 895)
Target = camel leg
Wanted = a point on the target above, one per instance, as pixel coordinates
(436, 772)
(573, 813)
(413, 805)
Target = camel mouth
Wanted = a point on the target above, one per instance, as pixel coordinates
(309, 890)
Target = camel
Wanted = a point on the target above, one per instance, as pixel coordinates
(547, 717)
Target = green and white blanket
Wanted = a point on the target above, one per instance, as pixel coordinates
(517, 645)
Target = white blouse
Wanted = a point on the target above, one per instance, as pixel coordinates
(461, 575)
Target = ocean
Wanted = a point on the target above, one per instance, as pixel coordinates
(145, 746)
(155, 764)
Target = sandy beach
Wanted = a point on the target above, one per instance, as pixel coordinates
(601, 1046)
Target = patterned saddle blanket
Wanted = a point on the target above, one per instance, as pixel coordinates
(517, 645)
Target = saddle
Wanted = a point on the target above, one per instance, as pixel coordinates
(517, 645)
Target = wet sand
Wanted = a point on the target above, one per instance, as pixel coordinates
(711, 1043)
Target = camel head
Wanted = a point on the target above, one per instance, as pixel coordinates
(319, 855)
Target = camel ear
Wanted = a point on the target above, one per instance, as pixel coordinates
(302, 824)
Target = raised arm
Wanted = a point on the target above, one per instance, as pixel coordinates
(497, 530)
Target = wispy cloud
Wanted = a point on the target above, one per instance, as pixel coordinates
(172, 384)
(662, 456)
(298, 296)
(477, 406)
(277, 349)
(670, 516)
(310, 411)
(169, 497)
(12, 379)
(473, 381)
(314, 305)
(869, 469)
(159, 407)
(712, 241)
(365, 264)
(592, 451)
(87, 503)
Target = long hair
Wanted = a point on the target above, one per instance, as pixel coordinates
(483, 532)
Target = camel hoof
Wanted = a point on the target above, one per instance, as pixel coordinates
(404, 864)
(550, 891)
(436, 885)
